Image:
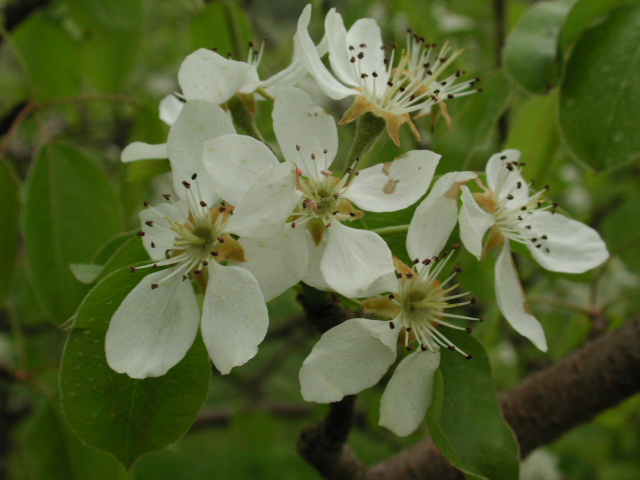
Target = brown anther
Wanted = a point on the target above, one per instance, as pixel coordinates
(194, 176)
(214, 253)
(154, 286)
(392, 325)
(203, 204)
(149, 223)
(293, 224)
(146, 204)
(469, 357)
(153, 244)
(422, 347)
(186, 184)
(426, 261)
(352, 214)
(398, 275)
(391, 296)
(451, 347)
(298, 147)
(205, 263)
(469, 329)
(458, 269)
(473, 300)
(166, 196)
(220, 240)
(416, 261)
(140, 234)
(155, 266)
(197, 272)
(133, 269)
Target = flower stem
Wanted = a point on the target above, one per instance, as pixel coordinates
(245, 118)
(368, 128)
(394, 230)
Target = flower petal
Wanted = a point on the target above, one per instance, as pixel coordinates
(325, 80)
(297, 122)
(170, 108)
(313, 276)
(234, 163)
(512, 302)
(263, 210)
(570, 246)
(474, 223)
(366, 32)
(436, 216)
(198, 121)
(408, 394)
(339, 55)
(153, 329)
(504, 181)
(347, 359)
(354, 259)
(143, 151)
(160, 234)
(395, 185)
(277, 263)
(208, 75)
(234, 316)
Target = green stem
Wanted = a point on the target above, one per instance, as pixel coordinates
(395, 230)
(368, 128)
(374, 149)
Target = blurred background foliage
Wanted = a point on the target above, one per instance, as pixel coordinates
(80, 79)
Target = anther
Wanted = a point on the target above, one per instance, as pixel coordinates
(325, 151)
(456, 246)
(133, 269)
(205, 263)
(473, 300)
(422, 347)
(416, 261)
(392, 325)
(452, 348)
(194, 176)
(149, 223)
(154, 286)
(155, 266)
(197, 272)
(153, 244)
(327, 225)
(391, 296)
(458, 269)
(140, 234)
(398, 275)
(293, 224)
(352, 214)
(166, 196)
(298, 147)
(509, 197)
(326, 173)
(214, 253)
(146, 204)
(426, 261)
(203, 203)
(469, 357)
(469, 330)
(186, 184)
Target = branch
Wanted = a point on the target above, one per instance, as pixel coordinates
(540, 409)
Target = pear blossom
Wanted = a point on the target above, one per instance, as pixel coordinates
(339, 257)
(356, 354)
(197, 238)
(361, 68)
(512, 213)
(205, 74)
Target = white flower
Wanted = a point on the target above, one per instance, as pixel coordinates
(357, 353)
(514, 214)
(341, 258)
(157, 322)
(206, 74)
(361, 68)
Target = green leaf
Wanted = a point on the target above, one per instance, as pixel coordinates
(474, 121)
(582, 14)
(70, 210)
(112, 411)
(600, 97)
(534, 132)
(112, 37)
(465, 420)
(50, 55)
(55, 453)
(9, 219)
(532, 54)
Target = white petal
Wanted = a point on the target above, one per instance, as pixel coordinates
(339, 55)
(152, 330)
(297, 122)
(385, 284)
(347, 359)
(143, 151)
(263, 210)
(474, 222)
(159, 234)
(505, 182)
(313, 276)
(208, 75)
(277, 263)
(408, 395)
(573, 247)
(354, 259)
(436, 216)
(367, 32)
(393, 186)
(170, 108)
(234, 316)
(327, 83)
(198, 121)
(512, 302)
(234, 163)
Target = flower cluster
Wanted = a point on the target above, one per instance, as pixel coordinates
(246, 221)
